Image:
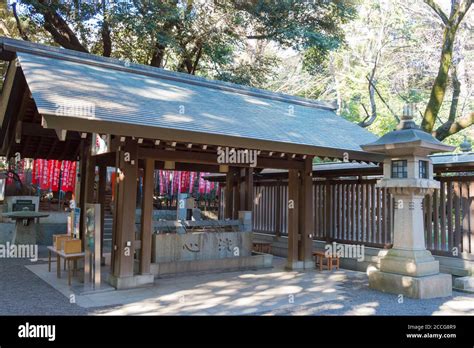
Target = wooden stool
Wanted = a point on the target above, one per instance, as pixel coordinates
(320, 256)
(262, 247)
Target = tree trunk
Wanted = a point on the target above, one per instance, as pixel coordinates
(58, 28)
(441, 82)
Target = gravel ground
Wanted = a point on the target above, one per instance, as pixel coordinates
(359, 299)
(23, 293)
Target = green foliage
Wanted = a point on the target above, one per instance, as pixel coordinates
(317, 49)
(199, 37)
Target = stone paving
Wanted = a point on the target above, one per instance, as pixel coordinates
(263, 292)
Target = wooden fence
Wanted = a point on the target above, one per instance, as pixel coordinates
(356, 211)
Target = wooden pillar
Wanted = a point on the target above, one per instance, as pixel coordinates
(101, 200)
(328, 207)
(278, 205)
(147, 216)
(236, 194)
(229, 185)
(248, 188)
(125, 206)
(293, 218)
(89, 178)
(87, 182)
(241, 188)
(80, 202)
(307, 213)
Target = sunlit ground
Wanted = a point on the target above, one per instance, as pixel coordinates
(277, 292)
(272, 291)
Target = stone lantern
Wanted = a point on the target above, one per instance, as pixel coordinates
(408, 268)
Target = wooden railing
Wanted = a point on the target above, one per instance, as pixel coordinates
(356, 211)
(449, 217)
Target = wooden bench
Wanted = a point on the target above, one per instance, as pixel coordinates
(320, 256)
(262, 247)
(68, 259)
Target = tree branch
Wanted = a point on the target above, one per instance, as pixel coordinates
(460, 12)
(383, 101)
(18, 23)
(58, 28)
(105, 33)
(368, 120)
(438, 10)
(456, 92)
(450, 128)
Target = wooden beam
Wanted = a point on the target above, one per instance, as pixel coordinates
(189, 167)
(196, 137)
(7, 55)
(35, 129)
(106, 159)
(51, 150)
(211, 158)
(9, 99)
(65, 150)
(61, 134)
(147, 216)
(13, 132)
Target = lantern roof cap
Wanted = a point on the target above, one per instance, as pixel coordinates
(407, 136)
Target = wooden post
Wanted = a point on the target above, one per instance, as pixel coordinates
(306, 213)
(80, 202)
(293, 218)
(241, 188)
(147, 216)
(327, 211)
(248, 189)
(87, 186)
(229, 185)
(236, 193)
(90, 180)
(101, 201)
(278, 209)
(125, 206)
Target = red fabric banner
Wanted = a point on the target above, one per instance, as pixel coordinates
(34, 179)
(44, 175)
(65, 176)
(55, 175)
(72, 176)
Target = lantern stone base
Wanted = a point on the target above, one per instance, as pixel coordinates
(431, 286)
(411, 273)
(415, 263)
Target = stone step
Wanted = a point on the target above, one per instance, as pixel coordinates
(455, 271)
